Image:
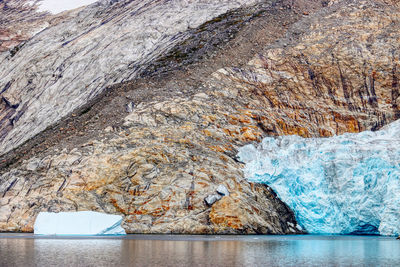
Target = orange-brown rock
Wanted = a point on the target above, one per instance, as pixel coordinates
(335, 71)
(232, 212)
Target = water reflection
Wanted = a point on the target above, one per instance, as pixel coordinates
(200, 251)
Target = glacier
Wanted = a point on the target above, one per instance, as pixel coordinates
(78, 223)
(347, 184)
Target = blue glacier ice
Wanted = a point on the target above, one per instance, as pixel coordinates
(347, 184)
(78, 223)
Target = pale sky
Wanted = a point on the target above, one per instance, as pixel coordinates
(57, 6)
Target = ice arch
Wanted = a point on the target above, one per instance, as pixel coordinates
(343, 184)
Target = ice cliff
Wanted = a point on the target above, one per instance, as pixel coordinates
(344, 184)
(78, 223)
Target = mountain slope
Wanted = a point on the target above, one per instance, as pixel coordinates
(66, 65)
(155, 148)
(169, 77)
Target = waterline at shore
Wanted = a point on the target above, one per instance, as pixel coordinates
(185, 250)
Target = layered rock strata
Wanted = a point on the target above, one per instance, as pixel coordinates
(338, 70)
(67, 65)
(18, 22)
(181, 207)
(335, 71)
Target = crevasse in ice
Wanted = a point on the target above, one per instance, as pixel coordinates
(347, 184)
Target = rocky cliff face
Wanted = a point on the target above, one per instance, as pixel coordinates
(159, 181)
(66, 65)
(335, 72)
(157, 148)
(18, 22)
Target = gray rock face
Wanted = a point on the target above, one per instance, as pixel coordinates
(64, 66)
(211, 199)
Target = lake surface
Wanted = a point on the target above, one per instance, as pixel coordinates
(167, 250)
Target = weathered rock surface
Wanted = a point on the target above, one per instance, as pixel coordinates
(65, 66)
(335, 71)
(18, 22)
(156, 172)
(159, 178)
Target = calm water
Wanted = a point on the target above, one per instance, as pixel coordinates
(155, 250)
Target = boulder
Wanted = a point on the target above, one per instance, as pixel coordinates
(211, 199)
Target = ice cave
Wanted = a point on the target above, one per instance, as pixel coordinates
(347, 184)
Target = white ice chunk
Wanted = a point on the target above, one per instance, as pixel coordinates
(78, 223)
(222, 190)
(343, 184)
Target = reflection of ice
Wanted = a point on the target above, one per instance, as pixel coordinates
(78, 223)
(168, 250)
(343, 184)
(57, 6)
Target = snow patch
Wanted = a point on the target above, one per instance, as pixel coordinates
(78, 223)
(58, 6)
(346, 184)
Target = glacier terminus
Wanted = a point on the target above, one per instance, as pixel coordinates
(347, 184)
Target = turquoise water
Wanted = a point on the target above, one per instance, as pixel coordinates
(167, 250)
